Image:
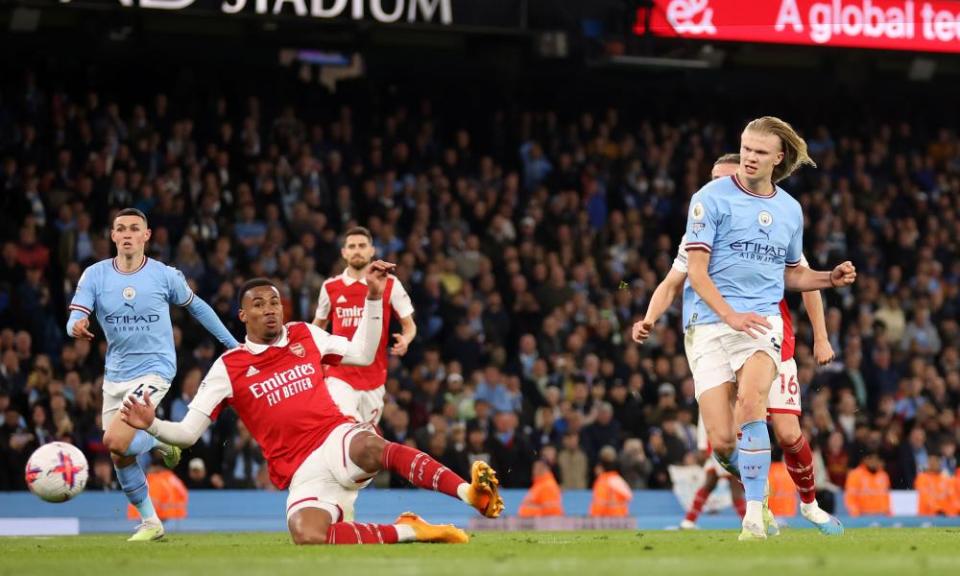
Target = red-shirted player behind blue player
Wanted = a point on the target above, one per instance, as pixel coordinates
(358, 390)
(274, 382)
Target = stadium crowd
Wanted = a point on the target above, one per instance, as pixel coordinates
(529, 245)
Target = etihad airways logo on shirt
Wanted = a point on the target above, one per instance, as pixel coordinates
(128, 320)
(286, 378)
(760, 250)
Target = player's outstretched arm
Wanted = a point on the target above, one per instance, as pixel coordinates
(403, 340)
(142, 415)
(180, 293)
(802, 279)
(664, 295)
(822, 349)
(209, 319)
(750, 322)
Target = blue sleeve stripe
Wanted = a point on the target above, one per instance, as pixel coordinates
(793, 264)
(80, 308)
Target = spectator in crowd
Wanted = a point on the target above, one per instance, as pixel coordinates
(101, 475)
(242, 460)
(573, 463)
(913, 459)
(634, 466)
(197, 476)
(510, 451)
(604, 431)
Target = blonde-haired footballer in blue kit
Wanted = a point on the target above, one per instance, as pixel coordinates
(131, 296)
(786, 424)
(744, 239)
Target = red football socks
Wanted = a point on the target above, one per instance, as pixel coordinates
(420, 470)
(697, 507)
(799, 461)
(358, 533)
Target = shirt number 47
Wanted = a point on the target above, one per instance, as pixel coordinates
(138, 392)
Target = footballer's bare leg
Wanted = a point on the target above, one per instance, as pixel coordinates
(715, 409)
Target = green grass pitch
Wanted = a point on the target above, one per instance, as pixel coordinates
(873, 552)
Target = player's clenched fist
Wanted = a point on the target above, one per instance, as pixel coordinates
(81, 329)
(843, 275)
(376, 277)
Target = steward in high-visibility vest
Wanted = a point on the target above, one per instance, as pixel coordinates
(934, 490)
(611, 493)
(868, 488)
(168, 493)
(783, 492)
(543, 498)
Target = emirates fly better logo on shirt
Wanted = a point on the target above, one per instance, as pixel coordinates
(285, 384)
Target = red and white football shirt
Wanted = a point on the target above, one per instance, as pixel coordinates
(341, 303)
(789, 336)
(279, 393)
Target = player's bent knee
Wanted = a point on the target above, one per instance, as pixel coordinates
(788, 438)
(121, 461)
(788, 433)
(366, 451)
(373, 453)
(115, 443)
(310, 537)
(723, 443)
(751, 401)
(307, 527)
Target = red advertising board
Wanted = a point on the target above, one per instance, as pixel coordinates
(918, 25)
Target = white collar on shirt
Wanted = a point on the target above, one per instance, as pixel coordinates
(258, 349)
(349, 280)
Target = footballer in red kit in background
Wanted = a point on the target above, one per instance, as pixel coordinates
(358, 390)
(323, 457)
